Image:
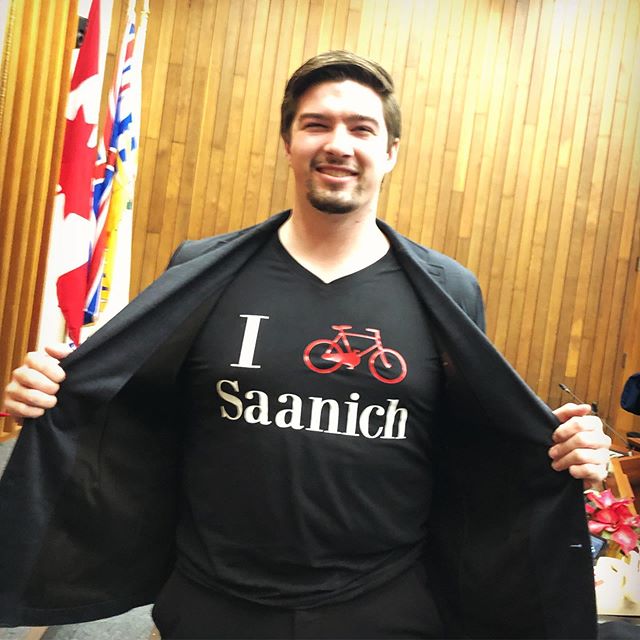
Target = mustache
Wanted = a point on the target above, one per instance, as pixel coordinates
(335, 162)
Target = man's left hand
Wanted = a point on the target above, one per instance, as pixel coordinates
(581, 446)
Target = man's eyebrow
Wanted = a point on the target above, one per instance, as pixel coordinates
(356, 117)
(314, 116)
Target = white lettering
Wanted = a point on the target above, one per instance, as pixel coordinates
(325, 413)
(392, 411)
(364, 420)
(352, 415)
(317, 404)
(257, 413)
(249, 339)
(290, 417)
(236, 402)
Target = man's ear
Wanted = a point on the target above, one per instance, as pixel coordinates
(392, 154)
(287, 147)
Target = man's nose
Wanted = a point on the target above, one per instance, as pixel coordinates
(339, 142)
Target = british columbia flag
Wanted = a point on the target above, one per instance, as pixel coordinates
(115, 176)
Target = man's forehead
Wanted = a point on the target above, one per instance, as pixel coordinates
(346, 96)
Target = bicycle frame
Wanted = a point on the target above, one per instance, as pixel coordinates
(344, 336)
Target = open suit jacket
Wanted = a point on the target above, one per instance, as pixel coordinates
(89, 498)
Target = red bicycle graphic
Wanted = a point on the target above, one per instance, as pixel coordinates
(325, 355)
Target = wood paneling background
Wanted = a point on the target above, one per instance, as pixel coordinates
(35, 67)
(520, 153)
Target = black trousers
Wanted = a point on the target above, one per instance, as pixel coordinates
(402, 608)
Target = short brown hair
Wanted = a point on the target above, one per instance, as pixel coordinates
(335, 66)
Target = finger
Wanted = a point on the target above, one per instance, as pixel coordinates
(570, 410)
(585, 438)
(590, 472)
(581, 456)
(577, 425)
(33, 379)
(583, 468)
(21, 410)
(20, 394)
(58, 350)
(45, 364)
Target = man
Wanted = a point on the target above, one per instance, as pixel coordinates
(310, 411)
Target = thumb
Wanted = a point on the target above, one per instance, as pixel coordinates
(571, 410)
(58, 350)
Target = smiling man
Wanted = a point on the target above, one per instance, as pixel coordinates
(339, 156)
(339, 452)
(341, 138)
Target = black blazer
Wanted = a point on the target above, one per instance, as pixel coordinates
(88, 499)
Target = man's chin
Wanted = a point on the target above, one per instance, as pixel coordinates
(331, 205)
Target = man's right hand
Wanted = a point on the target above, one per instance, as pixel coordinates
(34, 385)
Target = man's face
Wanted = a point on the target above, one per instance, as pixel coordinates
(338, 147)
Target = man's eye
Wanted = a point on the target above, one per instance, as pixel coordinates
(314, 125)
(364, 129)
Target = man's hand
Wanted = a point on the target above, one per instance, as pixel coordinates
(581, 446)
(34, 385)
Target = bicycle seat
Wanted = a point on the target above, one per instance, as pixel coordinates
(341, 327)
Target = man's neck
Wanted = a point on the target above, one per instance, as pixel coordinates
(332, 246)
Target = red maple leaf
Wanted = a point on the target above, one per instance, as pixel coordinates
(76, 169)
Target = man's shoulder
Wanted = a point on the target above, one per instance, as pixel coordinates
(455, 279)
(443, 267)
(190, 249)
(436, 260)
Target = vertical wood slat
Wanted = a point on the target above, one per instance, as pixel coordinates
(519, 154)
(37, 65)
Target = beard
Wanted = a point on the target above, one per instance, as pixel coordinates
(336, 202)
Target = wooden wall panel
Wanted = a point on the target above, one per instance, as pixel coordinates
(35, 65)
(519, 157)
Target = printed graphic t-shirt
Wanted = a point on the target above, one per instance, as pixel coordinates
(309, 409)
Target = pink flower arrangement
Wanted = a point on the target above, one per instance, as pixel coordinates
(611, 518)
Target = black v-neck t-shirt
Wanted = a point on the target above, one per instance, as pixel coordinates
(309, 413)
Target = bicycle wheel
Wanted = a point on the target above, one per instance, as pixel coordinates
(322, 356)
(392, 374)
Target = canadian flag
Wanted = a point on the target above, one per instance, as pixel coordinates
(74, 194)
